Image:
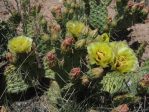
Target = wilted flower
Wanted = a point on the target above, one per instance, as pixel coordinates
(11, 57)
(20, 44)
(75, 27)
(75, 72)
(100, 53)
(57, 11)
(145, 81)
(125, 58)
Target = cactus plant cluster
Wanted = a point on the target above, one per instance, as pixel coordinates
(127, 13)
(75, 57)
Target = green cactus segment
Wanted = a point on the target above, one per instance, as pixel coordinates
(98, 17)
(54, 92)
(49, 73)
(126, 98)
(14, 80)
(127, 16)
(116, 82)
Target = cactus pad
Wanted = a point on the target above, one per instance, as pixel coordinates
(14, 80)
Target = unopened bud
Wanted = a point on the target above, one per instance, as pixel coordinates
(45, 37)
(43, 22)
(85, 80)
(85, 31)
(145, 11)
(72, 5)
(97, 72)
(67, 43)
(93, 33)
(80, 44)
(66, 10)
(75, 73)
(54, 36)
(11, 57)
(51, 59)
(141, 5)
(71, 11)
(145, 81)
(130, 4)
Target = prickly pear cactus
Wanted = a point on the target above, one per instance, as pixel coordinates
(98, 17)
(129, 13)
(14, 80)
(124, 83)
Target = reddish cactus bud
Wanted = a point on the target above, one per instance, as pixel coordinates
(51, 59)
(11, 57)
(145, 81)
(67, 43)
(75, 73)
(130, 4)
(141, 5)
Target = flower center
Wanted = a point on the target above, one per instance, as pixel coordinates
(100, 55)
(120, 61)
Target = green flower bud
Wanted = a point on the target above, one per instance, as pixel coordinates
(80, 44)
(97, 72)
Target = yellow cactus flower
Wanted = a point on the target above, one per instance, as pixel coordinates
(103, 38)
(75, 27)
(20, 44)
(125, 58)
(100, 53)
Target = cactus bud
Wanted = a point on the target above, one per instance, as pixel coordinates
(114, 24)
(77, 5)
(130, 4)
(71, 11)
(85, 81)
(57, 11)
(51, 59)
(72, 5)
(43, 22)
(145, 81)
(45, 37)
(106, 28)
(85, 31)
(135, 7)
(67, 43)
(145, 11)
(93, 33)
(80, 44)
(141, 5)
(75, 73)
(121, 108)
(54, 36)
(11, 57)
(66, 10)
(97, 72)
